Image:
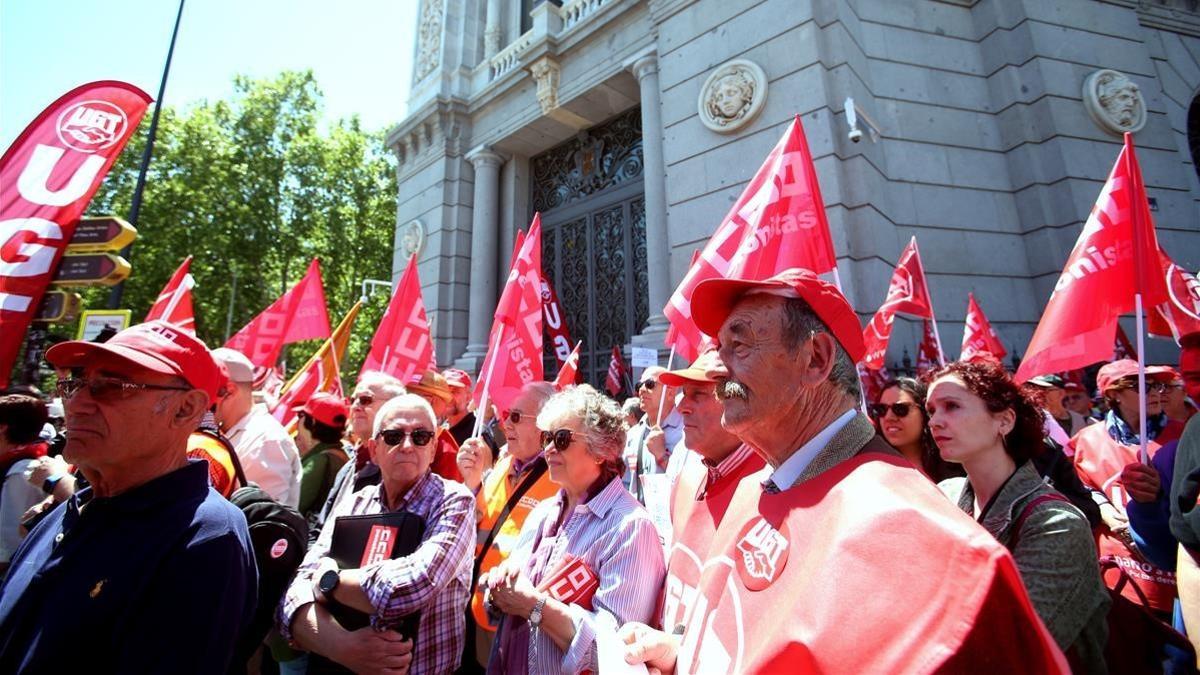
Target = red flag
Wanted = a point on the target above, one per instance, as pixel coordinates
(979, 340)
(1101, 277)
(1180, 314)
(908, 293)
(517, 359)
(174, 304)
(615, 382)
(402, 346)
(682, 334)
(873, 382)
(569, 373)
(927, 352)
(297, 315)
(1122, 347)
(778, 223)
(556, 324)
(47, 177)
(322, 372)
(269, 381)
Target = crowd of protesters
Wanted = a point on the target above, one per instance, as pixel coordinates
(958, 522)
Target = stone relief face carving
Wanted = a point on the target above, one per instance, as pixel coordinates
(732, 95)
(412, 237)
(429, 37)
(1114, 101)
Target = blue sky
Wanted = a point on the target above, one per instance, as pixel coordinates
(360, 51)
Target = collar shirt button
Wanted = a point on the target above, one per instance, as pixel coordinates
(58, 538)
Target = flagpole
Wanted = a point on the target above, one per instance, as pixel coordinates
(487, 382)
(662, 402)
(937, 338)
(1143, 455)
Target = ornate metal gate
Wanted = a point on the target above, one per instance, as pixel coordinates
(590, 193)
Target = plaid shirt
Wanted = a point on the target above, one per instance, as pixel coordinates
(434, 580)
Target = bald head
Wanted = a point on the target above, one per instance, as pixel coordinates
(651, 392)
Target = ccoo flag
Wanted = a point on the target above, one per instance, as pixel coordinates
(297, 315)
(979, 340)
(174, 304)
(402, 346)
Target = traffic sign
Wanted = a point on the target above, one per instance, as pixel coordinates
(106, 233)
(58, 306)
(91, 268)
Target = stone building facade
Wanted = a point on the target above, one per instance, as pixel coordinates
(633, 125)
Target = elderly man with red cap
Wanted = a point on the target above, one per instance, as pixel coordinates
(838, 556)
(148, 569)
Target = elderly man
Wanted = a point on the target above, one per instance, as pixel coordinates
(506, 495)
(1053, 389)
(649, 443)
(433, 581)
(149, 569)
(268, 454)
(837, 556)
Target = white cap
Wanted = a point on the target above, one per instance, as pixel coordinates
(239, 367)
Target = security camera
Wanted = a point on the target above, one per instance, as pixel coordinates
(853, 115)
(855, 135)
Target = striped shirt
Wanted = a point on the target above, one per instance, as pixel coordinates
(435, 580)
(615, 537)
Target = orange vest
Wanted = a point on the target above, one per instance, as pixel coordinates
(221, 473)
(865, 568)
(490, 501)
(1099, 461)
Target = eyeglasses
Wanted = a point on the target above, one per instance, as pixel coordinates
(561, 439)
(393, 437)
(648, 385)
(107, 388)
(1151, 387)
(363, 400)
(515, 416)
(878, 410)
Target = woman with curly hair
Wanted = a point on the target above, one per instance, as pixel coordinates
(901, 418)
(982, 420)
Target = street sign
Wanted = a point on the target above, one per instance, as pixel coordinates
(106, 233)
(95, 321)
(91, 268)
(58, 306)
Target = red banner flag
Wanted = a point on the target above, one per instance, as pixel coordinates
(1180, 314)
(927, 352)
(873, 382)
(569, 373)
(615, 381)
(322, 372)
(778, 223)
(1115, 258)
(979, 340)
(556, 324)
(514, 356)
(907, 294)
(297, 315)
(47, 177)
(174, 304)
(402, 346)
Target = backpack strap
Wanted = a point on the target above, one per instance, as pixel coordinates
(535, 473)
(1024, 515)
(238, 473)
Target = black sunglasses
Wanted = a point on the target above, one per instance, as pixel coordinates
(561, 439)
(878, 410)
(514, 416)
(648, 385)
(107, 388)
(393, 437)
(363, 399)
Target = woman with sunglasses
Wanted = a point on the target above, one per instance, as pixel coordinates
(900, 416)
(981, 419)
(592, 529)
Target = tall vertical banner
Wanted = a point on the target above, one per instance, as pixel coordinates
(297, 315)
(174, 303)
(402, 346)
(47, 177)
(556, 324)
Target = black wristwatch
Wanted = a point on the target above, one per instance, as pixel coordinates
(328, 582)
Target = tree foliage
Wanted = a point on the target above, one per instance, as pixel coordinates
(253, 188)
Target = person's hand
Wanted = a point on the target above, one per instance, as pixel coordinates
(367, 650)
(44, 467)
(33, 511)
(1141, 482)
(514, 594)
(474, 457)
(323, 565)
(659, 651)
(656, 443)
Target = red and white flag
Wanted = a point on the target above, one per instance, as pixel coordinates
(402, 346)
(569, 373)
(556, 324)
(928, 357)
(174, 304)
(1180, 314)
(873, 382)
(514, 356)
(297, 315)
(908, 293)
(615, 381)
(778, 223)
(979, 340)
(47, 177)
(1115, 258)
(322, 372)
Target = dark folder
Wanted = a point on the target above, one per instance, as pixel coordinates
(359, 541)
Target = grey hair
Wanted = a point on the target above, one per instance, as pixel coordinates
(800, 322)
(603, 423)
(405, 402)
(541, 392)
(387, 385)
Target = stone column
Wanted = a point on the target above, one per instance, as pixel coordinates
(658, 251)
(492, 30)
(484, 253)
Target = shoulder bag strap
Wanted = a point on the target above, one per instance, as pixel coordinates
(535, 473)
(1028, 509)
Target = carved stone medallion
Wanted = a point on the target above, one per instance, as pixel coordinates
(429, 38)
(732, 96)
(410, 237)
(1114, 101)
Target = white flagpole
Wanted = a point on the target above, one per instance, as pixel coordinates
(1143, 454)
(481, 412)
(662, 402)
(937, 338)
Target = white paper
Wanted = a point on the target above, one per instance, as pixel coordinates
(610, 651)
(644, 357)
(656, 488)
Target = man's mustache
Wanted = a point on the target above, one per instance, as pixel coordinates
(731, 389)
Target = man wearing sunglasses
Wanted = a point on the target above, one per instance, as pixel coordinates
(649, 443)
(434, 580)
(149, 563)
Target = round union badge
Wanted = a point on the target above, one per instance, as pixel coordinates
(279, 548)
(764, 553)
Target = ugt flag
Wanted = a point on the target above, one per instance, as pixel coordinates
(402, 346)
(297, 315)
(174, 303)
(1180, 314)
(47, 177)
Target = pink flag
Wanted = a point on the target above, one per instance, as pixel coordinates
(908, 293)
(979, 340)
(569, 373)
(402, 346)
(1115, 258)
(297, 315)
(778, 223)
(1180, 314)
(174, 304)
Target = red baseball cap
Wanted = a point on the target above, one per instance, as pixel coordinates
(325, 408)
(1110, 373)
(714, 300)
(156, 346)
(457, 379)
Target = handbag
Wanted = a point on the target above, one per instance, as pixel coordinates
(1137, 639)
